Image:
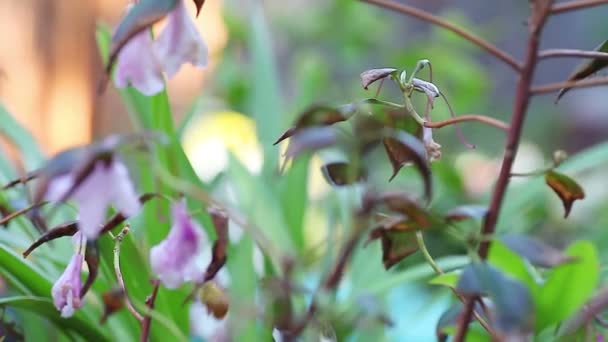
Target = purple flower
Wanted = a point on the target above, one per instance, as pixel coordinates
(138, 66)
(141, 61)
(108, 183)
(66, 290)
(184, 254)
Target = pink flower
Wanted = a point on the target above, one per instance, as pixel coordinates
(184, 254)
(180, 42)
(141, 61)
(137, 65)
(66, 290)
(108, 183)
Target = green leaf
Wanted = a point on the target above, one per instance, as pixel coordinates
(536, 251)
(566, 188)
(449, 279)
(568, 286)
(265, 100)
(293, 193)
(30, 151)
(512, 300)
(509, 262)
(45, 308)
(587, 69)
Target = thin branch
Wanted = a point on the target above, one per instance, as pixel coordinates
(6, 219)
(576, 5)
(147, 320)
(121, 282)
(540, 12)
(426, 16)
(551, 87)
(469, 117)
(557, 53)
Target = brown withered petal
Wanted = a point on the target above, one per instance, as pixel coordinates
(215, 299)
(397, 246)
(587, 69)
(199, 5)
(219, 255)
(464, 212)
(402, 203)
(402, 148)
(370, 76)
(340, 173)
(311, 139)
(318, 115)
(91, 257)
(113, 301)
(566, 188)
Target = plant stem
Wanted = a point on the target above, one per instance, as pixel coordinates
(551, 87)
(121, 283)
(576, 5)
(429, 259)
(428, 17)
(553, 53)
(469, 117)
(147, 320)
(17, 213)
(522, 99)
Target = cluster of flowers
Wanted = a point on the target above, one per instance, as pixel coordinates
(185, 253)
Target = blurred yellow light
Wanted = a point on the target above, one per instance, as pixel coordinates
(210, 138)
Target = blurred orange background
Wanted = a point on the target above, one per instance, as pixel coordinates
(50, 67)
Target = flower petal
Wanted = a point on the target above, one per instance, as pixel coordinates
(58, 187)
(180, 42)
(66, 290)
(93, 196)
(124, 197)
(176, 259)
(138, 66)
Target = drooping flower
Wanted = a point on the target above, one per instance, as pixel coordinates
(180, 42)
(137, 65)
(184, 254)
(142, 60)
(66, 290)
(107, 183)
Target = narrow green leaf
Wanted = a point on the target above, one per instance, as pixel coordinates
(30, 151)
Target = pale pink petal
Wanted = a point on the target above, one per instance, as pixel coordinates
(205, 325)
(174, 260)
(58, 187)
(66, 290)
(124, 197)
(138, 66)
(180, 42)
(93, 196)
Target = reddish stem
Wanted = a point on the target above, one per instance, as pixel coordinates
(520, 107)
(576, 5)
(145, 324)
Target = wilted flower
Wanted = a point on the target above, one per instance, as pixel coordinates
(184, 254)
(107, 183)
(142, 60)
(66, 290)
(433, 149)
